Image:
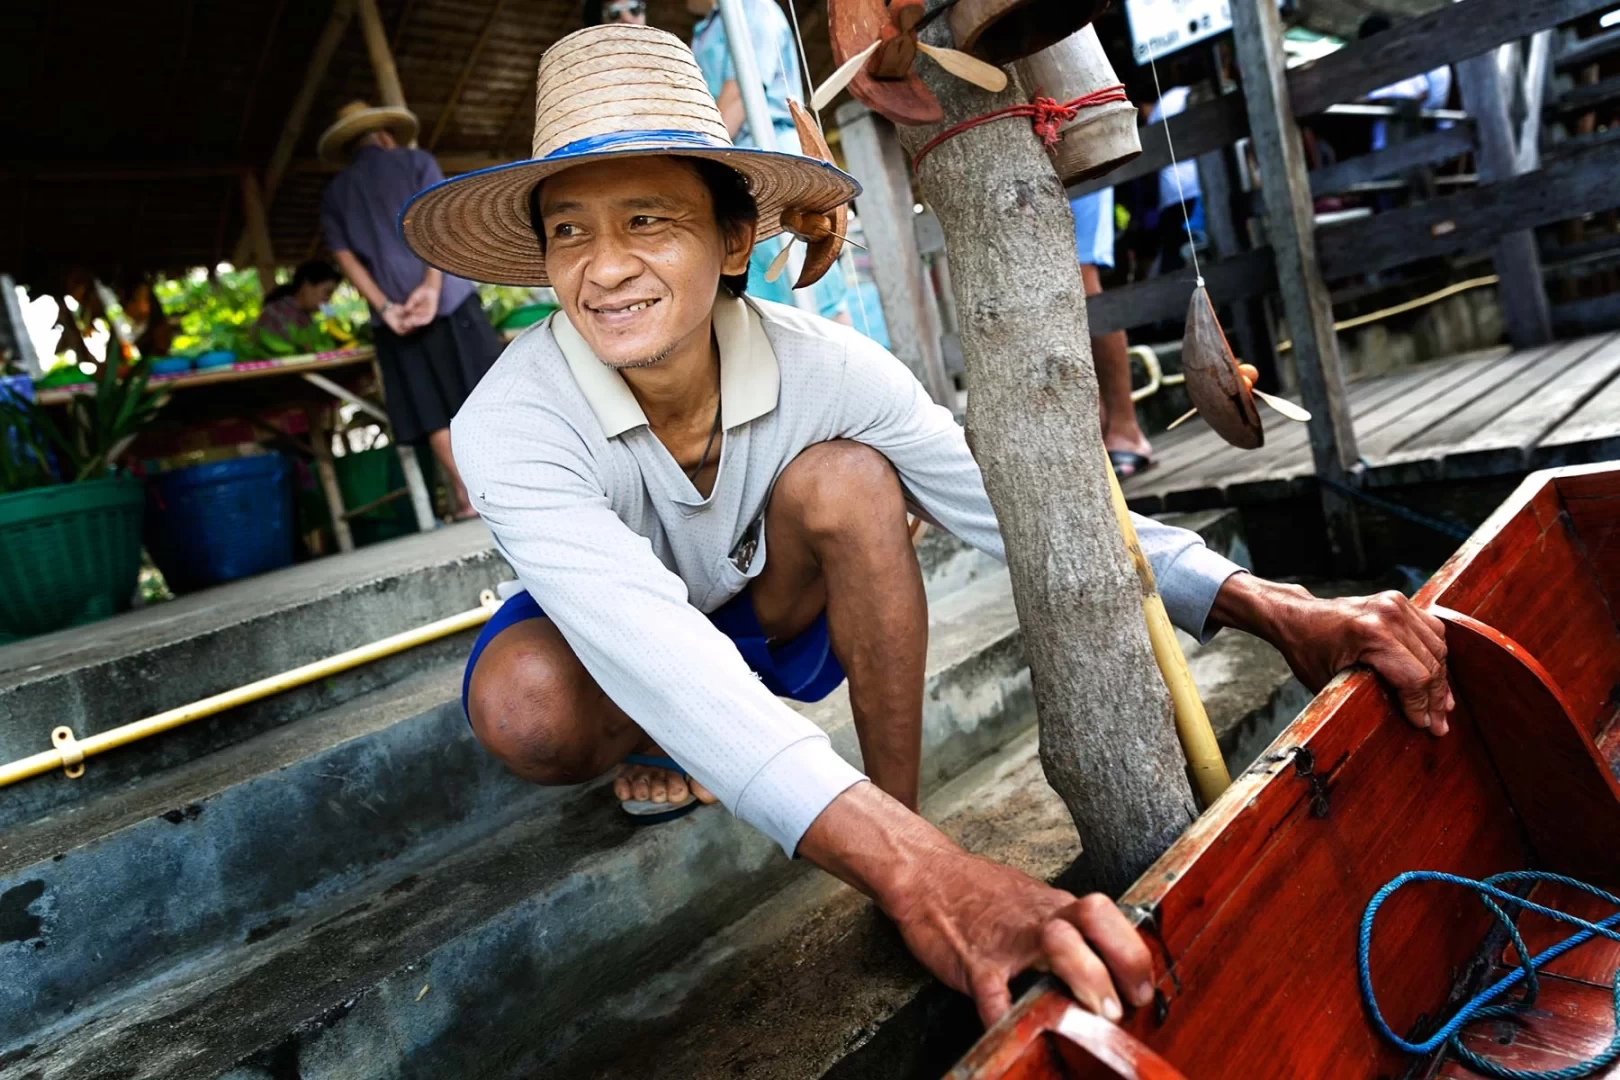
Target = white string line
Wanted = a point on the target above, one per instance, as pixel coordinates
(804, 62)
(1175, 171)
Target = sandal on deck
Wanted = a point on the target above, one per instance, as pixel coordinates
(648, 812)
(1128, 463)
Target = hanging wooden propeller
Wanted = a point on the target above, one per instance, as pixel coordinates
(875, 44)
(822, 233)
(1221, 393)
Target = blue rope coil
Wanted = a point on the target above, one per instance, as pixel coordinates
(1481, 1006)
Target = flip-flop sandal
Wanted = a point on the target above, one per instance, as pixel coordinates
(647, 812)
(1129, 463)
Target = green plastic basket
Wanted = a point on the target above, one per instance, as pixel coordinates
(69, 554)
(366, 477)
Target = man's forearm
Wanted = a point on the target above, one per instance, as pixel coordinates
(868, 840)
(1254, 605)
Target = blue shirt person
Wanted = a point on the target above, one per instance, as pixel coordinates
(777, 60)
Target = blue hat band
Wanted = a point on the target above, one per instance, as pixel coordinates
(670, 139)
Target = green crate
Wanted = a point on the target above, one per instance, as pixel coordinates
(69, 554)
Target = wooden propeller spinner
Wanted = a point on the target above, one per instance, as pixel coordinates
(1213, 382)
(822, 233)
(875, 44)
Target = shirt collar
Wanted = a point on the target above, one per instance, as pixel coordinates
(749, 376)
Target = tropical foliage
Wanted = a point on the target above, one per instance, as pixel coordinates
(36, 450)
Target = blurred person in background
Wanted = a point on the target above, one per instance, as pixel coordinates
(1128, 448)
(295, 303)
(628, 12)
(774, 53)
(433, 341)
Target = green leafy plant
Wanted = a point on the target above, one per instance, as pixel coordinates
(100, 426)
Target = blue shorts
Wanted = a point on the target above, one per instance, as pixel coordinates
(803, 668)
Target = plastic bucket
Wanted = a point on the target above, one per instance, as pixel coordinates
(213, 523)
(69, 554)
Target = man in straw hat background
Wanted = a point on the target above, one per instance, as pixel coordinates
(433, 341)
(705, 498)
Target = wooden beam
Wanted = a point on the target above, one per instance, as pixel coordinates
(1448, 35)
(1159, 299)
(454, 99)
(1202, 128)
(389, 90)
(1578, 54)
(1523, 294)
(1291, 227)
(1571, 186)
(1432, 148)
(293, 128)
(1592, 316)
(1589, 96)
(872, 150)
(258, 228)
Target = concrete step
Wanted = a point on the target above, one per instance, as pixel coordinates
(120, 670)
(98, 677)
(816, 983)
(282, 942)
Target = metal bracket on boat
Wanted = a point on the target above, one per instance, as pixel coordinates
(72, 756)
(1147, 921)
(1304, 768)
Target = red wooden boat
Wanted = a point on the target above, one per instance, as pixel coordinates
(1254, 914)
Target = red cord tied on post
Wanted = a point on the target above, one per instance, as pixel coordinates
(1047, 114)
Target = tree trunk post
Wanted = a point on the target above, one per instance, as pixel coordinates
(1291, 231)
(1107, 742)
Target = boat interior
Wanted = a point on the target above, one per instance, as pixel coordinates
(1254, 913)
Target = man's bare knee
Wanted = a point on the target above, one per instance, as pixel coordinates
(833, 488)
(524, 711)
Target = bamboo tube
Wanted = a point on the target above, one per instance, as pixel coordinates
(1205, 765)
(69, 754)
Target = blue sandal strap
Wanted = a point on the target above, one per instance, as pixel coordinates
(654, 761)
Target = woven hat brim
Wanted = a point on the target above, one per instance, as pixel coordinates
(333, 147)
(477, 226)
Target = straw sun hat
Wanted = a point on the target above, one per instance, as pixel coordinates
(615, 91)
(356, 119)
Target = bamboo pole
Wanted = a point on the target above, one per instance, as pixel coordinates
(382, 57)
(258, 228)
(70, 754)
(293, 129)
(1205, 765)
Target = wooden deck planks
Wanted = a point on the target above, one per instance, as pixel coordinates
(1598, 418)
(1536, 389)
(1387, 446)
(1510, 437)
(1483, 414)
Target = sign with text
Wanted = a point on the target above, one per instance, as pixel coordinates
(1161, 27)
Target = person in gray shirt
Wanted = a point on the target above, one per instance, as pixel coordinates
(705, 497)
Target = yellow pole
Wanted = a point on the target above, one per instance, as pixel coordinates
(49, 760)
(1205, 764)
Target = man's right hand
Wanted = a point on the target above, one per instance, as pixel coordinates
(977, 924)
(397, 319)
(974, 923)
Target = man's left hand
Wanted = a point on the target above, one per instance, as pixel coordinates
(422, 306)
(1321, 637)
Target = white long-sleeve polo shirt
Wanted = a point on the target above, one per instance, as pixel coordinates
(625, 556)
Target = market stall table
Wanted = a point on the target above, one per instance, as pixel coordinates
(255, 389)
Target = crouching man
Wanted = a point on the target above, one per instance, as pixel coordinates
(705, 499)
